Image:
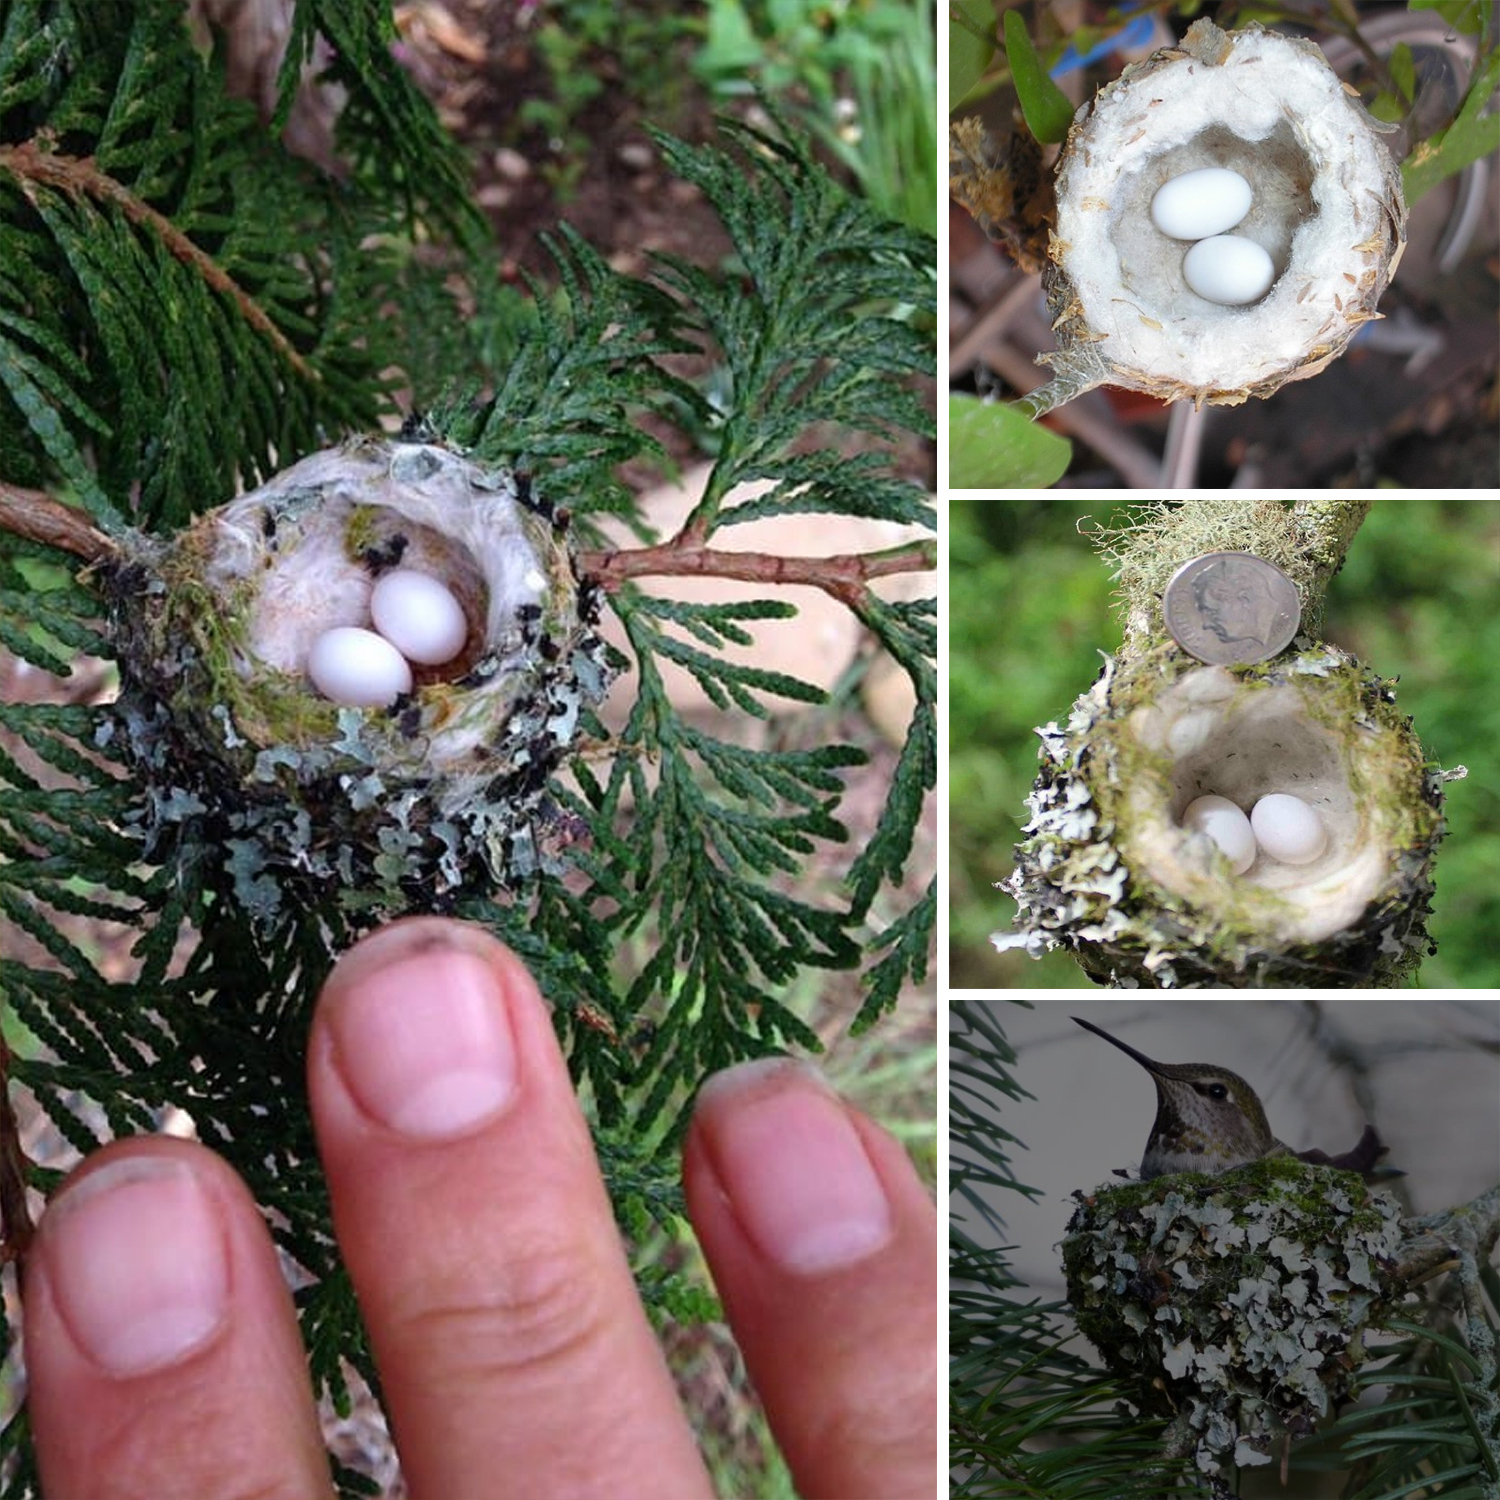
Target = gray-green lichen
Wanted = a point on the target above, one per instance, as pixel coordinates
(1106, 868)
(248, 765)
(1236, 1303)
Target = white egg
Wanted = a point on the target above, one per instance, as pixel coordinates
(358, 667)
(1194, 205)
(1228, 269)
(1288, 829)
(1226, 825)
(419, 616)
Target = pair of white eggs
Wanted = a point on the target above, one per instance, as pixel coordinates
(1280, 825)
(416, 619)
(1202, 205)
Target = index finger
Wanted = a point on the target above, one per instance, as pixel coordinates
(513, 1350)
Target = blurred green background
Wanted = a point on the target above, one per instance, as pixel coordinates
(1031, 608)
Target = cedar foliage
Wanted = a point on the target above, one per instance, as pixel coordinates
(184, 309)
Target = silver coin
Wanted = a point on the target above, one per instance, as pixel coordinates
(1230, 608)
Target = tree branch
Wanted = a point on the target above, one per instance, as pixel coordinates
(16, 1228)
(39, 518)
(79, 176)
(844, 575)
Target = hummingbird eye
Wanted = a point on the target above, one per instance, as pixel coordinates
(1217, 1091)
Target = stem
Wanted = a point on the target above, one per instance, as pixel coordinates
(79, 176)
(39, 518)
(844, 575)
(16, 1228)
(1326, 529)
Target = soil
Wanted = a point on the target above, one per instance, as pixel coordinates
(479, 64)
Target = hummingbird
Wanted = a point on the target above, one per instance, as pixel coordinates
(1210, 1120)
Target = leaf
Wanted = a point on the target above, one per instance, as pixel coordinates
(1391, 105)
(991, 446)
(971, 45)
(1048, 110)
(1472, 134)
(1465, 16)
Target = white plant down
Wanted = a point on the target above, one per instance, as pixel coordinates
(1288, 829)
(1195, 205)
(1237, 739)
(419, 616)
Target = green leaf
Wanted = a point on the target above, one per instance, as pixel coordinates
(1048, 110)
(971, 45)
(1472, 134)
(991, 446)
(1465, 16)
(1392, 106)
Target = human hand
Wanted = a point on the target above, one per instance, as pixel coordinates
(162, 1348)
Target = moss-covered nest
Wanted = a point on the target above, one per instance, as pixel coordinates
(441, 791)
(1106, 867)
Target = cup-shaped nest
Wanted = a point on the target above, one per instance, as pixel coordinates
(437, 791)
(1326, 206)
(1110, 870)
(1238, 1300)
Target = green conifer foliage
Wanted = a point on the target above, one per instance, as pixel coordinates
(184, 310)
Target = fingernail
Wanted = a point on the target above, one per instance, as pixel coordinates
(424, 1043)
(137, 1263)
(793, 1166)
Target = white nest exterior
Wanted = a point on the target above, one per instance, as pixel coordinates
(1322, 185)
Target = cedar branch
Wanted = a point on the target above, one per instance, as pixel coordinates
(80, 176)
(843, 575)
(39, 518)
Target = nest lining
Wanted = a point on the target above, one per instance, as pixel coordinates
(1242, 741)
(422, 508)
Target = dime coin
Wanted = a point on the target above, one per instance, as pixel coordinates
(1231, 607)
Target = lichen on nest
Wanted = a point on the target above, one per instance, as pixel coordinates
(1234, 1303)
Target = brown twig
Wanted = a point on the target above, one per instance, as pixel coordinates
(39, 518)
(16, 1228)
(843, 575)
(79, 176)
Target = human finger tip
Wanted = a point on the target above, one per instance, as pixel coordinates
(135, 1250)
(791, 1166)
(154, 1311)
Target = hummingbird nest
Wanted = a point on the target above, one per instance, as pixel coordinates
(1327, 215)
(1107, 866)
(1234, 1303)
(250, 767)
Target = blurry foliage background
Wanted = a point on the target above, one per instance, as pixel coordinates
(1031, 608)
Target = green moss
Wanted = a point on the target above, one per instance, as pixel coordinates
(363, 530)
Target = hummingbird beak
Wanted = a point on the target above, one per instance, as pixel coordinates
(1146, 1062)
